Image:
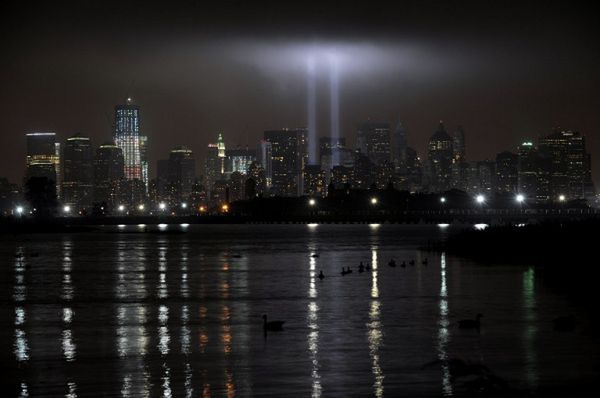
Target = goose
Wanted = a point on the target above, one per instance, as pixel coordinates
(392, 263)
(273, 325)
(367, 267)
(471, 323)
(343, 271)
(424, 262)
(361, 267)
(564, 323)
(412, 262)
(403, 265)
(348, 271)
(314, 255)
(321, 276)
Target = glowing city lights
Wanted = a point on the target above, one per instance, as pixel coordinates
(480, 199)
(374, 201)
(442, 200)
(520, 198)
(121, 208)
(19, 210)
(562, 198)
(67, 209)
(141, 207)
(312, 202)
(162, 206)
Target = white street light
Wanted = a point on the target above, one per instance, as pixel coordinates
(184, 205)
(480, 199)
(562, 198)
(162, 206)
(121, 208)
(312, 202)
(520, 198)
(374, 201)
(19, 210)
(141, 207)
(67, 209)
(443, 199)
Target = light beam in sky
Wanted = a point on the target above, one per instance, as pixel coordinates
(334, 108)
(312, 111)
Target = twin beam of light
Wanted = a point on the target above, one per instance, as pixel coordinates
(312, 112)
(334, 110)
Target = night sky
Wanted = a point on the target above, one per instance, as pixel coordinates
(505, 73)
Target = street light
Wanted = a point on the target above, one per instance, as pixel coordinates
(225, 207)
(312, 202)
(374, 201)
(442, 200)
(562, 198)
(480, 199)
(19, 210)
(141, 207)
(202, 209)
(67, 209)
(121, 208)
(162, 206)
(184, 205)
(520, 198)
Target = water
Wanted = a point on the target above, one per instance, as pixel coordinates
(122, 312)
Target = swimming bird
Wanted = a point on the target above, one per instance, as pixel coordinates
(392, 263)
(564, 323)
(471, 323)
(367, 267)
(273, 326)
(321, 276)
(403, 265)
(343, 271)
(314, 255)
(412, 262)
(348, 271)
(424, 262)
(361, 267)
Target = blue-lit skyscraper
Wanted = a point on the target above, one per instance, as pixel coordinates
(132, 142)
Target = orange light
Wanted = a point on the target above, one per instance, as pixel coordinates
(225, 208)
(202, 209)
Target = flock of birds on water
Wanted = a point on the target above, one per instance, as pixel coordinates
(561, 324)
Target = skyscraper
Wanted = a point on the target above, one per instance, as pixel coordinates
(288, 157)
(129, 138)
(458, 146)
(108, 173)
(373, 140)
(264, 159)
(507, 172)
(400, 145)
(43, 157)
(181, 174)
(528, 165)
(567, 160)
(221, 151)
(239, 160)
(212, 168)
(440, 154)
(78, 172)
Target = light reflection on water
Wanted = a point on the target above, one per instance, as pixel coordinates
(374, 327)
(443, 331)
(175, 315)
(313, 327)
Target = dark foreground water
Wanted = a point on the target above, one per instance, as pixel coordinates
(123, 313)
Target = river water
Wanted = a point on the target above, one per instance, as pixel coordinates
(123, 311)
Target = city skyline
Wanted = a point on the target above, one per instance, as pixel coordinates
(489, 72)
